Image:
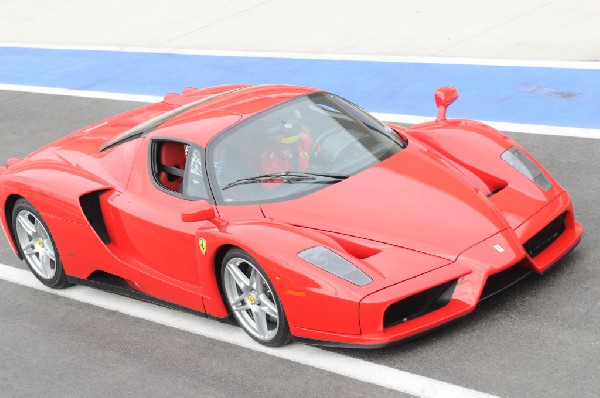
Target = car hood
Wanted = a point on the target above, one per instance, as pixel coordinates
(413, 199)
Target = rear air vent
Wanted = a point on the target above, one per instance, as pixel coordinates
(90, 204)
(419, 304)
(546, 236)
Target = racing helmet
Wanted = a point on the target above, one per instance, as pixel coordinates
(285, 131)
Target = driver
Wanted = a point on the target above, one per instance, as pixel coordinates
(287, 149)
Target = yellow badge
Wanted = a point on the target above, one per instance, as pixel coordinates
(251, 299)
(202, 244)
(304, 155)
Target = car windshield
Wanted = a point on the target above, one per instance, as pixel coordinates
(295, 148)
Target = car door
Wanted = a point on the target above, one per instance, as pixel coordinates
(167, 177)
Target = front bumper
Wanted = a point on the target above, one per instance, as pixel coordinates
(479, 272)
(562, 243)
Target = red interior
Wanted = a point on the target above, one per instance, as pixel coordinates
(171, 154)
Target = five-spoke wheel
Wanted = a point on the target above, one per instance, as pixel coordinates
(253, 300)
(36, 245)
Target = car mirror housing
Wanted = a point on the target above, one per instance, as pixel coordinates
(444, 97)
(198, 211)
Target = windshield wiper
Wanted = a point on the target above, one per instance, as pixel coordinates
(397, 139)
(290, 177)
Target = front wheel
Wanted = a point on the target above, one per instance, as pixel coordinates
(36, 245)
(252, 299)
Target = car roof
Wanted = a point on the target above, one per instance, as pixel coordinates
(203, 122)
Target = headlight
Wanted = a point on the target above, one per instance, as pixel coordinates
(335, 264)
(524, 165)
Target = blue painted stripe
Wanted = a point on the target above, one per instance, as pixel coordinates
(530, 95)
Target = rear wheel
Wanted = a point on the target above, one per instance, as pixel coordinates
(36, 245)
(252, 300)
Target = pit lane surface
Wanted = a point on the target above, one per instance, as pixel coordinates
(540, 338)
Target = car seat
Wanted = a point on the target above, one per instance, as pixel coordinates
(172, 159)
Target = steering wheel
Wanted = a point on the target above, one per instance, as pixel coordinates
(351, 150)
(320, 140)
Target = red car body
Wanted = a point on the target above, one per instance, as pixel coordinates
(446, 216)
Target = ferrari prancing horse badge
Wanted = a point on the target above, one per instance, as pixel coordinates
(202, 244)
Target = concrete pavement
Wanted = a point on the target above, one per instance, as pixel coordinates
(510, 29)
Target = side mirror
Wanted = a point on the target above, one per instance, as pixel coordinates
(444, 97)
(198, 211)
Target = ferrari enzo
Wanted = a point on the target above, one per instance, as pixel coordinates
(289, 210)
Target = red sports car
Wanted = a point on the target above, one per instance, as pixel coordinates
(290, 209)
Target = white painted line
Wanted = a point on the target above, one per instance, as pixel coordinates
(358, 369)
(390, 117)
(502, 126)
(80, 93)
(345, 57)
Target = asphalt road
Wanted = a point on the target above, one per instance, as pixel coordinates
(540, 338)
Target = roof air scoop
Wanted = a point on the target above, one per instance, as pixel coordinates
(189, 90)
(444, 97)
(170, 96)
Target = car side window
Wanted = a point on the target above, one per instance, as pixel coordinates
(177, 168)
(195, 177)
(169, 159)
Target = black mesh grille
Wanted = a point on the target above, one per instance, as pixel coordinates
(546, 236)
(90, 204)
(419, 304)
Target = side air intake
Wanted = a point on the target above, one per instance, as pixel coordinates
(419, 304)
(540, 241)
(90, 204)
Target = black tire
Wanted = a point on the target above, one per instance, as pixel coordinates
(59, 279)
(282, 335)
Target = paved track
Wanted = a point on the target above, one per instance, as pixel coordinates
(57, 347)
(540, 338)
